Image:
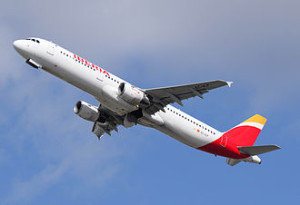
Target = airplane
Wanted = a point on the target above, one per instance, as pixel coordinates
(123, 104)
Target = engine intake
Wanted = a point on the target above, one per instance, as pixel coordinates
(86, 111)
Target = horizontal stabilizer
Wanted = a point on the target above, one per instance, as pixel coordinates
(256, 150)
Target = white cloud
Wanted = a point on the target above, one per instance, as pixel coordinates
(82, 162)
(8, 71)
(23, 191)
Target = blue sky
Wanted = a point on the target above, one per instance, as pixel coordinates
(48, 155)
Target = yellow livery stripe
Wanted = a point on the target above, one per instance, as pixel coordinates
(257, 119)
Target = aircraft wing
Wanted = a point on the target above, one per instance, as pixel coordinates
(161, 97)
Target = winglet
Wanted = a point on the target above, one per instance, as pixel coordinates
(229, 83)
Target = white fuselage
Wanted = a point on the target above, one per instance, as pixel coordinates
(104, 87)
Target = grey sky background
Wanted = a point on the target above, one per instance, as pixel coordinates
(47, 151)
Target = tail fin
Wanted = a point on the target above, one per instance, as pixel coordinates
(243, 137)
(245, 134)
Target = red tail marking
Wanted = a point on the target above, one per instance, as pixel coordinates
(243, 135)
(223, 147)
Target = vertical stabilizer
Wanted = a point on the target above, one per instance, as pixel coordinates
(245, 134)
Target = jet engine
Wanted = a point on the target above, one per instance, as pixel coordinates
(133, 95)
(86, 111)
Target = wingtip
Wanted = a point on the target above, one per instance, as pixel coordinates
(229, 83)
(278, 147)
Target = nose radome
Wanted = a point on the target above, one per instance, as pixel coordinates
(21, 48)
(17, 44)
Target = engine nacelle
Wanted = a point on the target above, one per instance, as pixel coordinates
(86, 111)
(132, 95)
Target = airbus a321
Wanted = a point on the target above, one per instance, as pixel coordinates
(123, 104)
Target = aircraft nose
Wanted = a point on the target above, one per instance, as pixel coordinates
(22, 48)
(18, 45)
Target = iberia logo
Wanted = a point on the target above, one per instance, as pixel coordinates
(87, 63)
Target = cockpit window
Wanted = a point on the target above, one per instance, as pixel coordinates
(34, 40)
